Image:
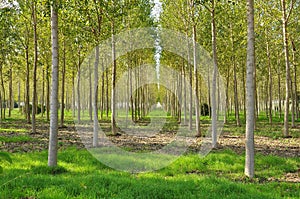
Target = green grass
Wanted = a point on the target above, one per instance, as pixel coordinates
(79, 175)
(20, 138)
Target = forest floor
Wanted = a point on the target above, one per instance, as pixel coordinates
(16, 137)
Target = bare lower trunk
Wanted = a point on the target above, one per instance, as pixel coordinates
(214, 80)
(197, 109)
(287, 69)
(62, 114)
(34, 94)
(27, 102)
(95, 108)
(113, 91)
(270, 83)
(10, 101)
(249, 160)
(52, 154)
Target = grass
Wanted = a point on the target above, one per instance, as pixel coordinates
(79, 175)
(14, 139)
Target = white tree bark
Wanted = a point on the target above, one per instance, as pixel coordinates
(52, 154)
(214, 78)
(287, 69)
(249, 160)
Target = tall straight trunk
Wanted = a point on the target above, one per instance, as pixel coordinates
(270, 82)
(113, 82)
(43, 93)
(78, 89)
(3, 94)
(48, 94)
(295, 81)
(244, 92)
(19, 95)
(102, 90)
(34, 94)
(11, 101)
(52, 154)
(95, 99)
(279, 90)
(227, 96)
(191, 85)
(214, 78)
(184, 94)
(63, 73)
(107, 98)
(27, 100)
(287, 69)
(73, 94)
(198, 130)
(90, 106)
(236, 100)
(249, 160)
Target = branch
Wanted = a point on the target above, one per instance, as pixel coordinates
(292, 7)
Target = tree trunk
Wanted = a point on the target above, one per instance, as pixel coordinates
(11, 101)
(90, 106)
(287, 69)
(63, 73)
(249, 160)
(48, 94)
(236, 100)
(34, 94)
(197, 109)
(96, 79)
(113, 81)
(78, 89)
(295, 81)
(27, 103)
(214, 80)
(52, 154)
(270, 81)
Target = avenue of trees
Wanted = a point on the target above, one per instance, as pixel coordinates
(254, 45)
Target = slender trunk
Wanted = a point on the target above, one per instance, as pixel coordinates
(294, 88)
(73, 94)
(43, 93)
(102, 90)
(48, 94)
(214, 78)
(19, 95)
(227, 96)
(191, 85)
(287, 69)
(52, 154)
(113, 81)
(90, 106)
(198, 130)
(249, 160)
(185, 97)
(11, 101)
(96, 84)
(34, 98)
(78, 89)
(236, 100)
(27, 104)
(62, 114)
(279, 90)
(107, 98)
(270, 82)
(3, 105)
(295, 81)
